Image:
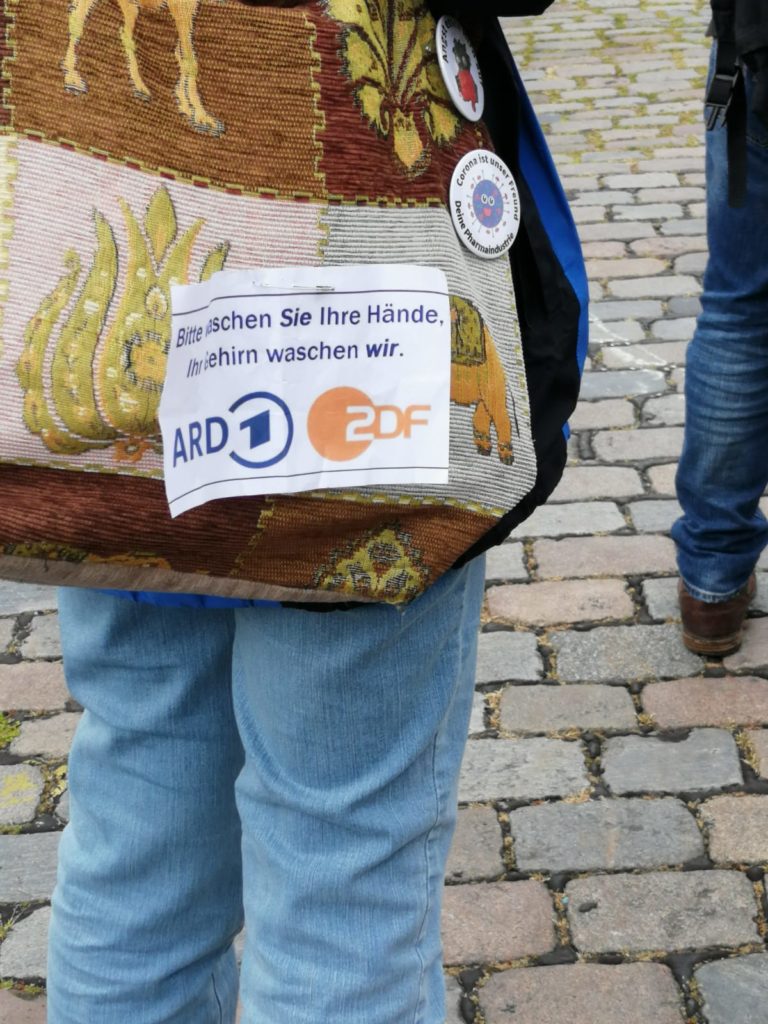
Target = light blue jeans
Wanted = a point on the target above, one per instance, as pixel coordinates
(292, 769)
(724, 466)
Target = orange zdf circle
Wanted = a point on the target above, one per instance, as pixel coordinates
(328, 423)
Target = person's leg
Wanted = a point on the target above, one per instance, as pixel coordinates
(724, 465)
(148, 897)
(354, 725)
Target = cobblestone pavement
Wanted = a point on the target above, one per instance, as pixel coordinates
(613, 834)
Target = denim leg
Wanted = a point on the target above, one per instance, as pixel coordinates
(353, 725)
(724, 466)
(148, 897)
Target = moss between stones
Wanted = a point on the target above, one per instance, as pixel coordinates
(9, 730)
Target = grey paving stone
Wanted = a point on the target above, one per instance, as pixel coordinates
(504, 655)
(604, 556)
(581, 483)
(653, 354)
(707, 759)
(24, 952)
(62, 809)
(682, 328)
(681, 306)
(679, 194)
(638, 445)
(559, 601)
(661, 287)
(611, 412)
(28, 866)
(760, 603)
(453, 993)
(603, 197)
(477, 715)
(527, 769)
(734, 989)
(663, 77)
(586, 517)
(21, 786)
(581, 993)
(604, 835)
(622, 653)
(693, 160)
(738, 828)
(505, 562)
(667, 411)
(753, 653)
(660, 598)
(628, 309)
(622, 331)
(633, 181)
(670, 246)
(627, 266)
(691, 263)
(239, 947)
(25, 597)
(661, 911)
(651, 211)
(49, 737)
(691, 226)
(654, 515)
(621, 383)
(576, 183)
(44, 640)
(477, 844)
(6, 632)
(662, 479)
(541, 709)
(588, 214)
(614, 231)
(604, 250)
(677, 377)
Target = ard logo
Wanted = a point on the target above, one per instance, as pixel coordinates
(183, 13)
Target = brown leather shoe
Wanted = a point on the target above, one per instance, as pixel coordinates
(714, 628)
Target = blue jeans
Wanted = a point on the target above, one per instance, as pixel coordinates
(724, 466)
(297, 770)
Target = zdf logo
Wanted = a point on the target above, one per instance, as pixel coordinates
(344, 422)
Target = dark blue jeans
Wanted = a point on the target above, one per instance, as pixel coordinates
(724, 466)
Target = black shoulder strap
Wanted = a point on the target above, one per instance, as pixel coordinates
(726, 98)
(741, 30)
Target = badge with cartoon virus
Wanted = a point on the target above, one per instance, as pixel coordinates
(485, 204)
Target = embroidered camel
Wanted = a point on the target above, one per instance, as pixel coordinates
(477, 378)
(183, 13)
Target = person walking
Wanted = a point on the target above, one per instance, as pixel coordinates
(723, 470)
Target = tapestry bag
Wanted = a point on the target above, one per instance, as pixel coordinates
(149, 144)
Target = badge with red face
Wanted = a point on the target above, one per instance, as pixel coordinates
(459, 68)
(485, 204)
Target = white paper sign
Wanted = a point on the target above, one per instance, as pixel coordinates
(294, 379)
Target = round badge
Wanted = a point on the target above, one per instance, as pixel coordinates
(459, 68)
(485, 204)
